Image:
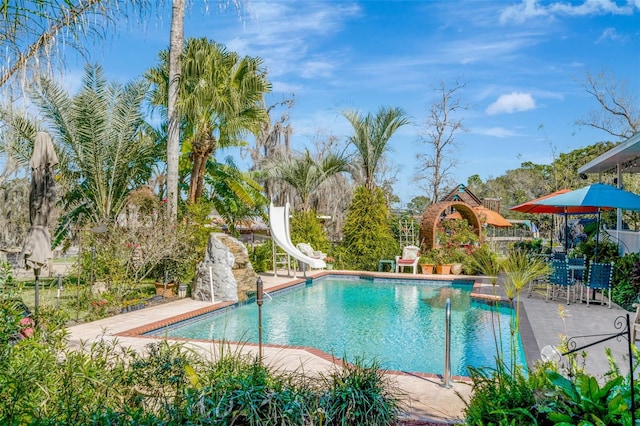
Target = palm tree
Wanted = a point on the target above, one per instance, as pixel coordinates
(221, 100)
(176, 40)
(234, 194)
(304, 173)
(371, 137)
(104, 145)
(32, 30)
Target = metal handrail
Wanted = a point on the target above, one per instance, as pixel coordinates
(446, 377)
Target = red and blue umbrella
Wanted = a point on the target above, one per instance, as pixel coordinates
(599, 196)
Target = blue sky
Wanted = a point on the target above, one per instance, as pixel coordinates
(521, 61)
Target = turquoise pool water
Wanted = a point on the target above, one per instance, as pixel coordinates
(398, 322)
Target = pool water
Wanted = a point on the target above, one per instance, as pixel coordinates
(398, 322)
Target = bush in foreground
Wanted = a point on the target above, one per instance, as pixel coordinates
(46, 383)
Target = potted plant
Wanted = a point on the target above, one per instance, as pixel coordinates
(428, 261)
(329, 261)
(457, 258)
(443, 266)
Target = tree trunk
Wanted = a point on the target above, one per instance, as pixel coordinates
(173, 134)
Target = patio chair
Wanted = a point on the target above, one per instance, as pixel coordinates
(560, 278)
(578, 274)
(600, 278)
(409, 258)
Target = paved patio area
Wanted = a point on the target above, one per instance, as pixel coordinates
(425, 397)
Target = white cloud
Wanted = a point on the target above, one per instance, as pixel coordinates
(312, 69)
(610, 34)
(498, 132)
(530, 9)
(513, 102)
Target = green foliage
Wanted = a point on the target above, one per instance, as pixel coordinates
(418, 205)
(45, 382)
(306, 228)
(607, 251)
(261, 256)
(429, 257)
(484, 261)
(367, 234)
(500, 397)
(359, 395)
(530, 247)
(626, 280)
(582, 398)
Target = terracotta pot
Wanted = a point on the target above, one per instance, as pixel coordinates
(427, 268)
(443, 269)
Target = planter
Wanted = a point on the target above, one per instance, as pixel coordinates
(166, 290)
(456, 268)
(182, 290)
(443, 269)
(427, 268)
(329, 266)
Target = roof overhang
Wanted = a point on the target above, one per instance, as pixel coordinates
(626, 155)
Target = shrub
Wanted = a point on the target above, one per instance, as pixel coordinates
(306, 228)
(367, 234)
(44, 382)
(500, 397)
(626, 281)
(359, 395)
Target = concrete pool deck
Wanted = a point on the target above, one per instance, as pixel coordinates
(425, 397)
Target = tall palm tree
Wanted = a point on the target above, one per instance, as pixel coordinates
(104, 146)
(304, 173)
(176, 40)
(371, 137)
(221, 101)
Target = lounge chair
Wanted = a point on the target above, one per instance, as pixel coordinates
(308, 251)
(409, 258)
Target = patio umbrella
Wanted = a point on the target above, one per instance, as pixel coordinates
(538, 206)
(599, 196)
(36, 250)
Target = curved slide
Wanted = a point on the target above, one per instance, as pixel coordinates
(279, 225)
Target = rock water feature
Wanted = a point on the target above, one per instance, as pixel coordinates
(233, 276)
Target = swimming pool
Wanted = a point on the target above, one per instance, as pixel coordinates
(398, 322)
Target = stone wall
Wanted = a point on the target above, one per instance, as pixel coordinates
(233, 276)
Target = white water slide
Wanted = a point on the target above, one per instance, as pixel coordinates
(279, 224)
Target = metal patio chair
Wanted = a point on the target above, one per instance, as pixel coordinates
(560, 278)
(600, 278)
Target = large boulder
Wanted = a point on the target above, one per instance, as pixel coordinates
(232, 275)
